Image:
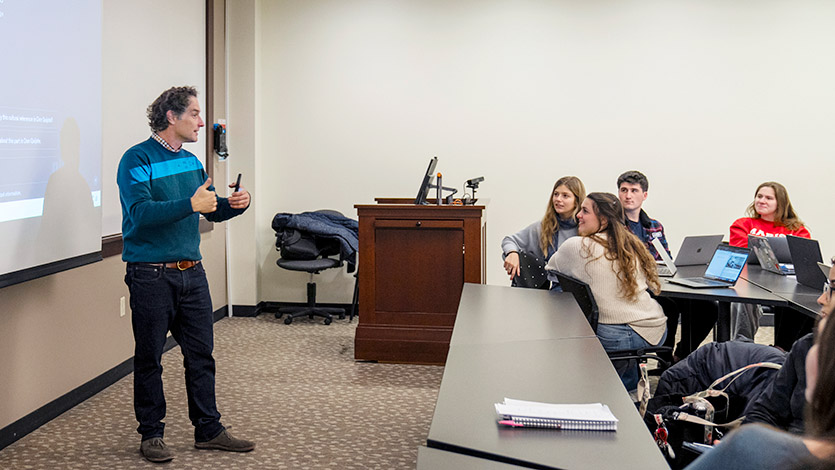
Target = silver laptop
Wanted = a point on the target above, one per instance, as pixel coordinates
(697, 250)
(723, 271)
(666, 267)
(761, 247)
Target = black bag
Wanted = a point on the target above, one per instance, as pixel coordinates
(297, 245)
(675, 419)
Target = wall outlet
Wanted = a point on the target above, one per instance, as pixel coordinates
(122, 306)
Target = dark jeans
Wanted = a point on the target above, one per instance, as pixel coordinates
(623, 338)
(162, 300)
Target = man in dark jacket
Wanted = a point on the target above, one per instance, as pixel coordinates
(781, 403)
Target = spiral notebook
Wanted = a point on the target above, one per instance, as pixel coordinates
(567, 417)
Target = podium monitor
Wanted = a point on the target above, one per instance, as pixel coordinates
(427, 182)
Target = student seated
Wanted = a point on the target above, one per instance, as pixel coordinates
(782, 401)
(756, 446)
(697, 316)
(770, 215)
(543, 238)
(620, 272)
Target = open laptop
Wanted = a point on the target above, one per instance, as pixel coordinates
(697, 250)
(806, 254)
(723, 271)
(666, 267)
(780, 247)
(761, 247)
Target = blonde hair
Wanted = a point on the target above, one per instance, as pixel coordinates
(550, 222)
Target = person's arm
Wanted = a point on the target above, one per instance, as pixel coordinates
(567, 259)
(135, 192)
(739, 233)
(526, 239)
(803, 232)
(234, 205)
(773, 405)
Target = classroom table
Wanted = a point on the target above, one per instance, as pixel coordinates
(570, 370)
(436, 459)
(743, 292)
(802, 299)
(531, 345)
(495, 314)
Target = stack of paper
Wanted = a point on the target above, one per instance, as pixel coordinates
(579, 417)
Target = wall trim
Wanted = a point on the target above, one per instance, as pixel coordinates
(25, 425)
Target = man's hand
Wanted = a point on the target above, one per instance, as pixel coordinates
(511, 264)
(239, 199)
(203, 200)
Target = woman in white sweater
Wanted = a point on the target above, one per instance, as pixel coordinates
(621, 272)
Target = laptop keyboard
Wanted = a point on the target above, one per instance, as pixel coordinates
(663, 270)
(707, 282)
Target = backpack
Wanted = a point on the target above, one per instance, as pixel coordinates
(297, 245)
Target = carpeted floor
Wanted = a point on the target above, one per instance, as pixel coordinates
(294, 389)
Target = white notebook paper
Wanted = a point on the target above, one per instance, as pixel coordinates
(581, 417)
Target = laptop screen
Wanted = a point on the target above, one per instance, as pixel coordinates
(727, 263)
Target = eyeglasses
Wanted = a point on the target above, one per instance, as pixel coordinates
(827, 290)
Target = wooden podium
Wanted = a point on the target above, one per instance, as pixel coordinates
(413, 263)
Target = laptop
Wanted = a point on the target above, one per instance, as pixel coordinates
(697, 250)
(779, 246)
(723, 271)
(825, 268)
(666, 267)
(806, 254)
(761, 247)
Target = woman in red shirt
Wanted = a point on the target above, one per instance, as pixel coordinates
(770, 215)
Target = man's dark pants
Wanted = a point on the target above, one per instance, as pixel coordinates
(162, 300)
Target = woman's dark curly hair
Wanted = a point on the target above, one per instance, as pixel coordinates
(174, 99)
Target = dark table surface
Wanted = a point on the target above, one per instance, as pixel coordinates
(436, 459)
(801, 298)
(744, 291)
(569, 370)
(496, 314)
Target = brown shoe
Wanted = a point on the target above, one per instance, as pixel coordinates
(227, 442)
(155, 450)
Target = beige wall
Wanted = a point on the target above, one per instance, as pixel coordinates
(707, 98)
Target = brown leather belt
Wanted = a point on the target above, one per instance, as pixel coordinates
(181, 265)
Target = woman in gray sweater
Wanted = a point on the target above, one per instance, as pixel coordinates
(544, 237)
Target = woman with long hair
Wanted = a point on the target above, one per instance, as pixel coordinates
(620, 271)
(543, 238)
(758, 446)
(770, 215)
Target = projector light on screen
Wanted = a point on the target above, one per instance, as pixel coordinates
(50, 137)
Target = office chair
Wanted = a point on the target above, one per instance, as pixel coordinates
(585, 299)
(302, 251)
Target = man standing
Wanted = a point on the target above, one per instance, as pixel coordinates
(698, 316)
(163, 190)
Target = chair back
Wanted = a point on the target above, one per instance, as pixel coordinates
(531, 272)
(583, 296)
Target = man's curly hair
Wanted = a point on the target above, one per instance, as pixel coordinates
(174, 99)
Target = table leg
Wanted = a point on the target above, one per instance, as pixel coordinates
(723, 322)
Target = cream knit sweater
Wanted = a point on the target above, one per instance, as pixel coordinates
(643, 315)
